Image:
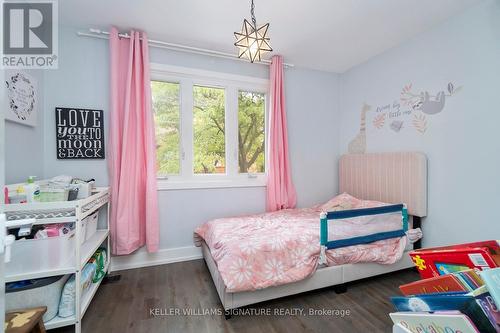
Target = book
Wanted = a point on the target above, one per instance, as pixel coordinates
(469, 279)
(445, 268)
(466, 304)
(487, 303)
(492, 280)
(478, 291)
(474, 277)
(447, 259)
(464, 281)
(418, 322)
(438, 284)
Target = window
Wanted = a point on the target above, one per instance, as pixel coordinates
(166, 109)
(210, 128)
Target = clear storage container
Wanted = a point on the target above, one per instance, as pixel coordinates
(32, 255)
(35, 293)
(91, 225)
(48, 194)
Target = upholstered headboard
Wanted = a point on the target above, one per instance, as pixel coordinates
(388, 177)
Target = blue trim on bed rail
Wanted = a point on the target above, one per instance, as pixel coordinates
(323, 230)
(405, 219)
(345, 214)
(365, 239)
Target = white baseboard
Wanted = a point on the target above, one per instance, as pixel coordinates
(142, 258)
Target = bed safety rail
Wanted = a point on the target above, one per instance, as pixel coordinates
(325, 217)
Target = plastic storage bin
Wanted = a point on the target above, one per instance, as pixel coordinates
(36, 292)
(53, 194)
(15, 198)
(31, 255)
(83, 232)
(84, 189)
(91, 225)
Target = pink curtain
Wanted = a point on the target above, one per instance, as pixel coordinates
(280, 190)
(131, 147)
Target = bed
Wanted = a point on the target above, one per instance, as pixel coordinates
(379, 179)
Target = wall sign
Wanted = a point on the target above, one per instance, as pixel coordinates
(79, 133)
(23, 98)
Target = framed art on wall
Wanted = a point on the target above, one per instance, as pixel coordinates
(79, 133)
(22, 98)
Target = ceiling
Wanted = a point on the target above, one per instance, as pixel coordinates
(329, 35)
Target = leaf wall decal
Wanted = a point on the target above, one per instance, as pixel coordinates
(379, 121)
(420, 123)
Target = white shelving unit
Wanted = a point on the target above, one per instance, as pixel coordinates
(59, 212)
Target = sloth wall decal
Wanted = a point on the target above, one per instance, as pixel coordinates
(424, 101)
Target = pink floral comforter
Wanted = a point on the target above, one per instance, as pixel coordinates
(259, 251)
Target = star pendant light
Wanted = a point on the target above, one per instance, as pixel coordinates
(252, 41)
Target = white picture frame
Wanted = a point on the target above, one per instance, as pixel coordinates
(22, 98)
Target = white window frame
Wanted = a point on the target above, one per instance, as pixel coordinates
(232, 84)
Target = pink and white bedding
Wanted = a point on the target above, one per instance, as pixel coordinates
(264, 250)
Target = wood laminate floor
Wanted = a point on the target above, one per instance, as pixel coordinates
(155, 299)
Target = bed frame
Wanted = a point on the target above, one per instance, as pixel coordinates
(388, 177)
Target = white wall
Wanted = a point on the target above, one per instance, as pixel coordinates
(312, 109)
(312, 106)
(24, 146)
(461, 142)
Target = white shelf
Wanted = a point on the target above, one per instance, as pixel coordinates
(60, 322)
(68, 219)
(52, 220)
(89, 294)
(68, 209)
(54, 205)
(69, 269)
(76, 211)
(90, 246)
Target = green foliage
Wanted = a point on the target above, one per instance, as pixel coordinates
(209, 130)
(251, 132)
(167, 121)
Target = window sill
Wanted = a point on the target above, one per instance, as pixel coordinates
(168, 185)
